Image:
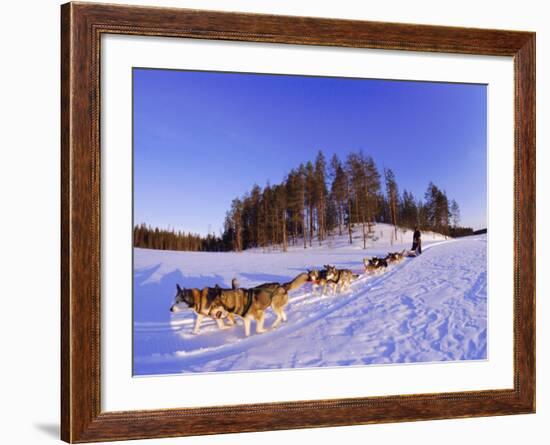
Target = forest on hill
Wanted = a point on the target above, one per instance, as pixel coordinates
(315, 200)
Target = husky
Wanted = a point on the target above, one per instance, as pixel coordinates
(375, 264)
(298, 281)
(395, 257)
(320, 278)
(340, 278)
(201, 301)
(251, 304)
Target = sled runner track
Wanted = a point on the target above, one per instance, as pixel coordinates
(371, 280)
(294, 323)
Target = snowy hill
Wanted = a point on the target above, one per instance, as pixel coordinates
(429, 308)
(382, 238)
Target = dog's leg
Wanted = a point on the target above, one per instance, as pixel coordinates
(246, 321)
(260, 324)
(231, 319)
(221, 324)
(283, 314)
(198, 323)
(277, 322)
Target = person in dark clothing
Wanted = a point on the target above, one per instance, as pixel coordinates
(417, 243)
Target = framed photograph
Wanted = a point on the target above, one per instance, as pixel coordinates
(274, 222)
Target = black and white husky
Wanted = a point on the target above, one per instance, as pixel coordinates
(375, 265)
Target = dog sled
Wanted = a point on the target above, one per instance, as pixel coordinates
(411, 253)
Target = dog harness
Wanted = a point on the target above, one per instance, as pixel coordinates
(249, 297)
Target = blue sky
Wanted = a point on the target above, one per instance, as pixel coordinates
(204, 138)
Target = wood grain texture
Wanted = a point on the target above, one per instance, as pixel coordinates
(81, 28)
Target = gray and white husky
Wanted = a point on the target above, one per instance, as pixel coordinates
(340, 279)
(320, 278)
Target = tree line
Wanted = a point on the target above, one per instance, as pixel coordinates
(321, 198)
(315, 200)
(154, 238)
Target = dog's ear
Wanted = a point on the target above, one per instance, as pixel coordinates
(178, 287)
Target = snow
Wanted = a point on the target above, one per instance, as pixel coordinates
(425, 309)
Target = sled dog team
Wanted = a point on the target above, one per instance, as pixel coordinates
(251, 303)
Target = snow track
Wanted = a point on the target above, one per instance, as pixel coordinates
(429, 308)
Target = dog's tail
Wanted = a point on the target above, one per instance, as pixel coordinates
(297, 282)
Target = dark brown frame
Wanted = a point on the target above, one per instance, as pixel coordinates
(82, 25)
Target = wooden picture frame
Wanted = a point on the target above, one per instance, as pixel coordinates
(82, 25)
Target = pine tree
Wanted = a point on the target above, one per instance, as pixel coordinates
(255, 203)
(320, 195)
(280, 208)
(310, 197)
(301, 187)
(339, 191)
(443, 207)
(408, 210)
(357, 200)
(373, 190)
(392, 193)
(437, 206)
(237, 224)
(365, 186)
(455, 213)
(292, 204)
(430, 206)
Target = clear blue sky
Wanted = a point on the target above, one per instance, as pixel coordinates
(204, 138)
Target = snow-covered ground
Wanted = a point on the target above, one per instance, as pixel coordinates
(430, 308)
